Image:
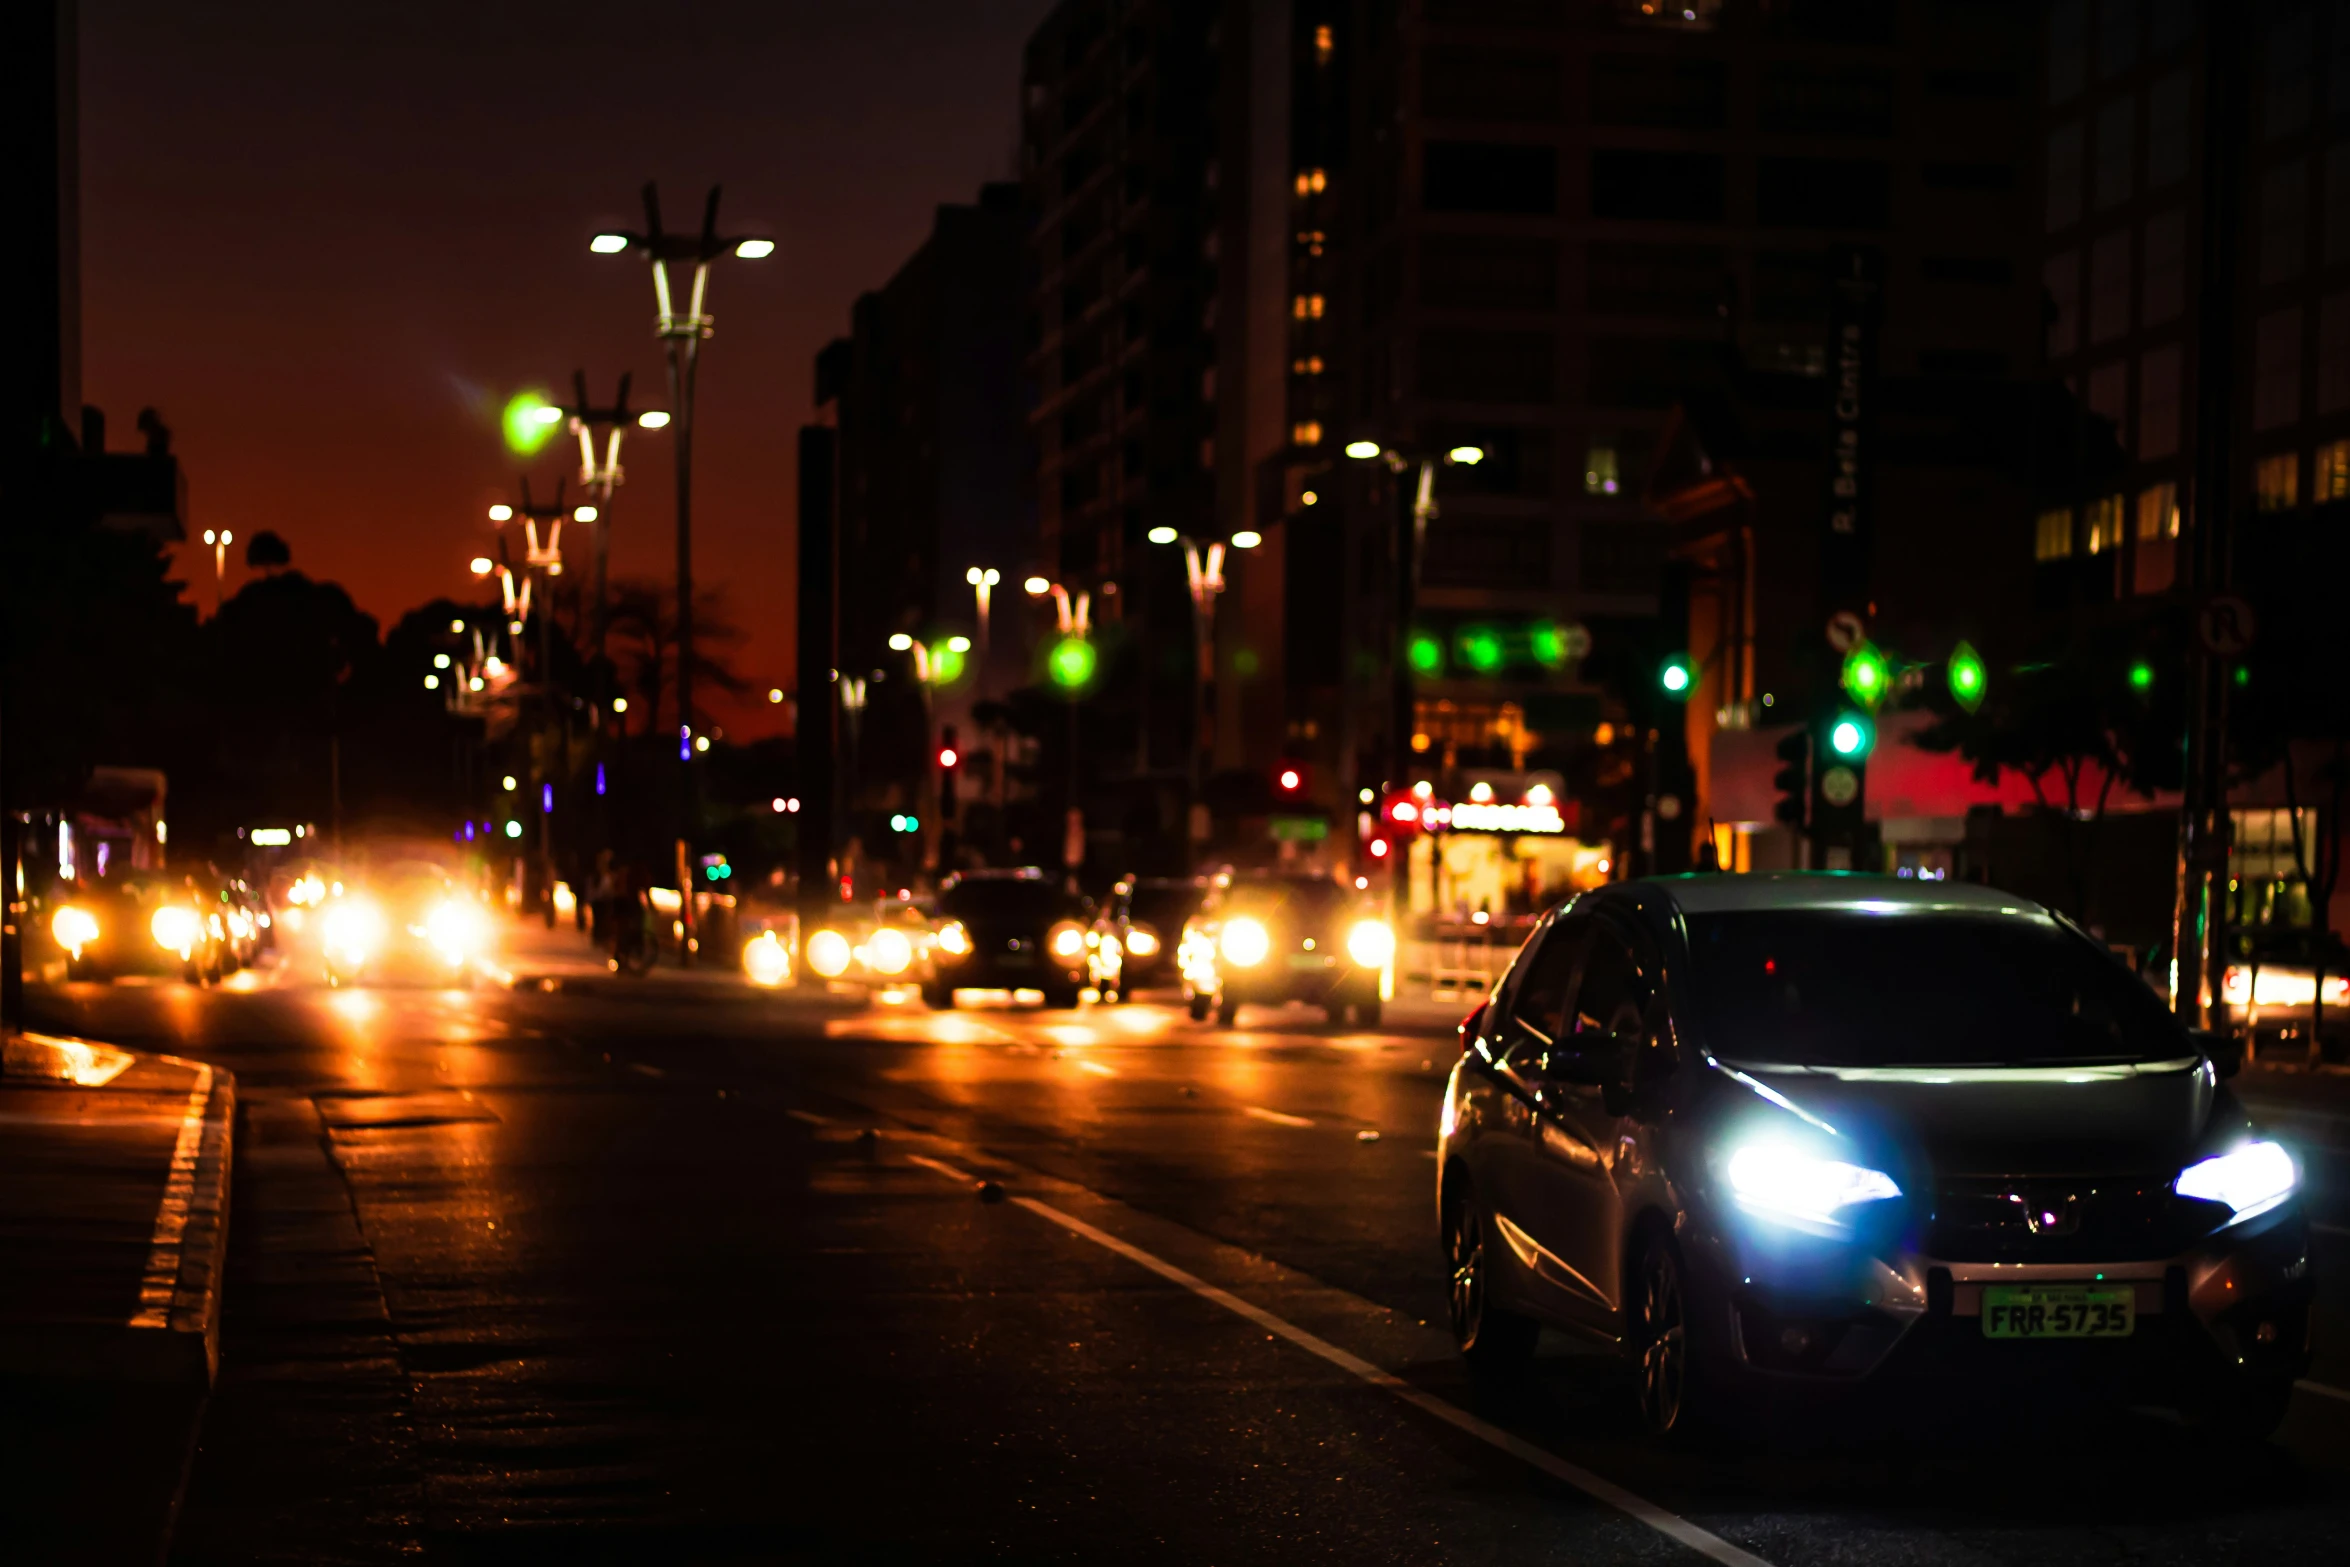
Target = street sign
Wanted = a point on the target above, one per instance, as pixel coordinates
(2225, 625)
(1845, 631)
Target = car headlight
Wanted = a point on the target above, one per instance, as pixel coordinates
(828, 954)
(954, 940)
(1371, 944)
(74, 928)
(1141, 941)
(454, 930)
(1068, 942)
(353, 931)
(2251, 1179)
(1775, 1181)
(177, 929)
(1244, 943)
(765, 960)
(888, 951)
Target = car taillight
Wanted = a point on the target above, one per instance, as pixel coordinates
(1472, 1025)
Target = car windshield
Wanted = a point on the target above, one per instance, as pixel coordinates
(1298, 900)
(1165, 907)
(1003, 899)
(1855, 988)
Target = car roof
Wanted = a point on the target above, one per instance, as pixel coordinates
(1704, 893)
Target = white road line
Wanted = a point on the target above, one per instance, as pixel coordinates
(2319, 1388)
(1674, 1527)
(1097, 1068)
(649, 1071)
(809, 1116)
(1277, 1117)
(945, 1169)
(2329, 1229)
(160, 1282)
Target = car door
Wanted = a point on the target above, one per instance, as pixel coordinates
(1587, 1139)
(1526, 1038)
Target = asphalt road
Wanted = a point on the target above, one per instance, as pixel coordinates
(615, 1271)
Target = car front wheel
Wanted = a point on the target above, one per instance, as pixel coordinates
(1659, 1340)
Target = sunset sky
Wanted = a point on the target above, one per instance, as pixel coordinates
(328, 243)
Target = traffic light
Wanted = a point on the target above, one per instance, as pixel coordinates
(1291, 780)
(1866, 678)
(1676, 677)
(2141, 677)
(1851, 737)
(1968, 679)
(948, 759)
(1839, 786)
(1793, 779)
(1071, 663)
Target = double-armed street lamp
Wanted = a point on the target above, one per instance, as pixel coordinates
(219, 539)
(1411, 538)
(599, 476)
(1203, 569)
(983, 580)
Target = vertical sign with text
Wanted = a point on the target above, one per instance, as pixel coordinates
(1855, 302)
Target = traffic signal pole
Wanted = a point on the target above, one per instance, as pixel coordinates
(815, 733)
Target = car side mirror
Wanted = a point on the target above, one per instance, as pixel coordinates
(2225, 1052)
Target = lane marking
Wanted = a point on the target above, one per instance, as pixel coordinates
(945, 1169)
(1097, 1068)
(160, 1283)
(2329, 1229)
(1278, 1118)
(649, 1071)
(2323, 1391)
(810, 1117)
(1671, 1525)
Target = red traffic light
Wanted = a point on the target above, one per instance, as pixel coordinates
(1291, 780)
(1378, 848)
(947, 756)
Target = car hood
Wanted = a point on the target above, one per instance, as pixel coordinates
(2078, 1120)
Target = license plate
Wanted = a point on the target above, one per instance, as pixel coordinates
(2059, 1310)
(1307, 960)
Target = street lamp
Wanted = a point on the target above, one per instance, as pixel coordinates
(983, 580)
(599, 477)
(1411, 537)
(1203, 571)
(681, 335)
(219, 539)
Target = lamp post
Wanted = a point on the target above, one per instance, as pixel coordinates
(983, 580)
(1411, 537)
(599, 477)
(542, 563)
(1203, 570)
(681, 334)
(219, 539)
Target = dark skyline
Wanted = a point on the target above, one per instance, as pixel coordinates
(328, 244)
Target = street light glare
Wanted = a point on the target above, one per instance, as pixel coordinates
(775, 693)
(501, 512)
(1037, 587)
(1361, 450)
(1467, 456)
(899, 642)
(755, 249)
(1247, 539)
(584, 514)
(608, 244)
(958, 644)
(481, 565)
(1162, 534)
(653, 419)
(620, 704)
(547, 414)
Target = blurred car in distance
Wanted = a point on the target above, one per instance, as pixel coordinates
(1274, 939)
(1008, 930)
(1133, 940)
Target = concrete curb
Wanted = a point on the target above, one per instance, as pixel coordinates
(173, 1337)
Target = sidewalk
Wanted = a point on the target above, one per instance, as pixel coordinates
(114, 1188)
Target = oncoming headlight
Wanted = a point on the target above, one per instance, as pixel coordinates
(1775, 1181)
(1244, 943)
(1067, 942)
(889, 952)
(828, 954)
(2251, 1179)
(454, 930)
(352, 931)
(1371, 944)
(954, 940)
(74, 928)
(1141, 941)
(765, 960)
(176, 928)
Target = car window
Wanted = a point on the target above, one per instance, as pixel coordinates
(1005, 899)
(1611, 990)
(1852, 987)
(1538, 1006)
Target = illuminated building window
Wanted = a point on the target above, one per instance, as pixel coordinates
(2276, 482)
(2053, 538)
(1307, 307)
(2330, 480)
(2158, 508)
(1312, 240)
(1310, 365)
(1324, 44)
(1306, 433)
(1312, 182)
(2104, 517)
(1599, 469)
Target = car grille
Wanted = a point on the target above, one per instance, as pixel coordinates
(2038, 1219)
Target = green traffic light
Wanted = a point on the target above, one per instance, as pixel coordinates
(946, 665)
(2141, 676)
(1480, 649)
(1426, 653)
(1968, 679)
(530, 422)
(1852, 737)
(1547, 642)
(1865, 676)
(2243, 674)
(1071, 663)
(1676, 676)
